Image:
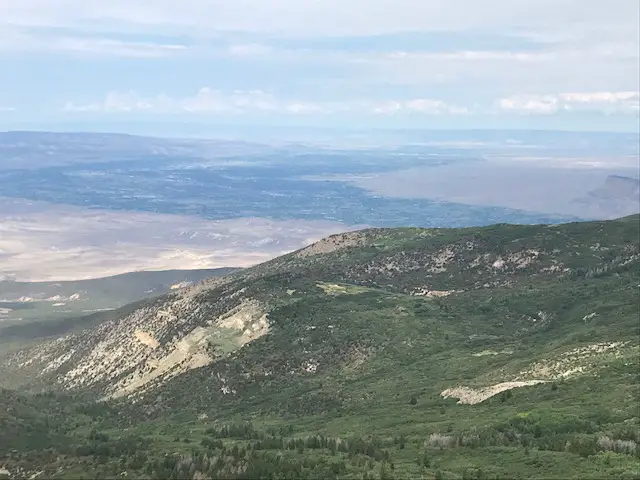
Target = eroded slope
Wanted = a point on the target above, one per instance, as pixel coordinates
(213, 321)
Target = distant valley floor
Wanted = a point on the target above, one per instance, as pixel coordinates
(43, 242)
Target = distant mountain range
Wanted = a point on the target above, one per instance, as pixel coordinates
(618, 196)
(27, 150)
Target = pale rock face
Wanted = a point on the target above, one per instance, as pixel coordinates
(130, 354)
(499, 264)
(331, 244)
(310, 366)
(146, 339)
(578, 361)
(426, 292)
(466, 395)
(440, 260)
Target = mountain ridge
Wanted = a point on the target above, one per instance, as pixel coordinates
(423, 262)
(509, 351)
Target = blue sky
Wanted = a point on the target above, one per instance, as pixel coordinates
(561, 64)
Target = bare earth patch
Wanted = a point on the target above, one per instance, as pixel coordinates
(335, 289)
(332, 243)
(473, 396)
(486, 353)
(426, 292)
(332, 289)
(578, 361)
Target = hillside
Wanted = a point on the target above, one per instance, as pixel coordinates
(23, 302)
(505, 351)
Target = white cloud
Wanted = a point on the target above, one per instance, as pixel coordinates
(471, 56)
(206, 100)
(117, 102)
(558, 68)
(211, 101)
(419, 105)
(113, 47)
(327, 17)
(625, 102)
(386, 108)
(215, 102)
(15, 39)
(6, 109)
(582, 46)
(531, 104)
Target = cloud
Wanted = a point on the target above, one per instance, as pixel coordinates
(211, 101)
(381, 59)
(206, 100)
(420, 105)
(584, 45)
(626, 102)
(583, 67)
(6, 109)
(471, 56)
(327, 17)
(28, 40)
(112, 47)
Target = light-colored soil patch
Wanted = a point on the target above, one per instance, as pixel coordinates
(186, 354)
(486, 353)
(190, 352)
(574, 362)
(128, 355)
(146, 339)
(335, 289)
(470, 396)
(241, 316)
(578, 361)
(426, 292)
(332, 289)
(523, 259)
(440, 260)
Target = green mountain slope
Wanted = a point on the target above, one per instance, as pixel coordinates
(500, 352)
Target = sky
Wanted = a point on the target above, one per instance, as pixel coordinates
(556, 64)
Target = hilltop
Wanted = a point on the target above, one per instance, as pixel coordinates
(481, 352)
